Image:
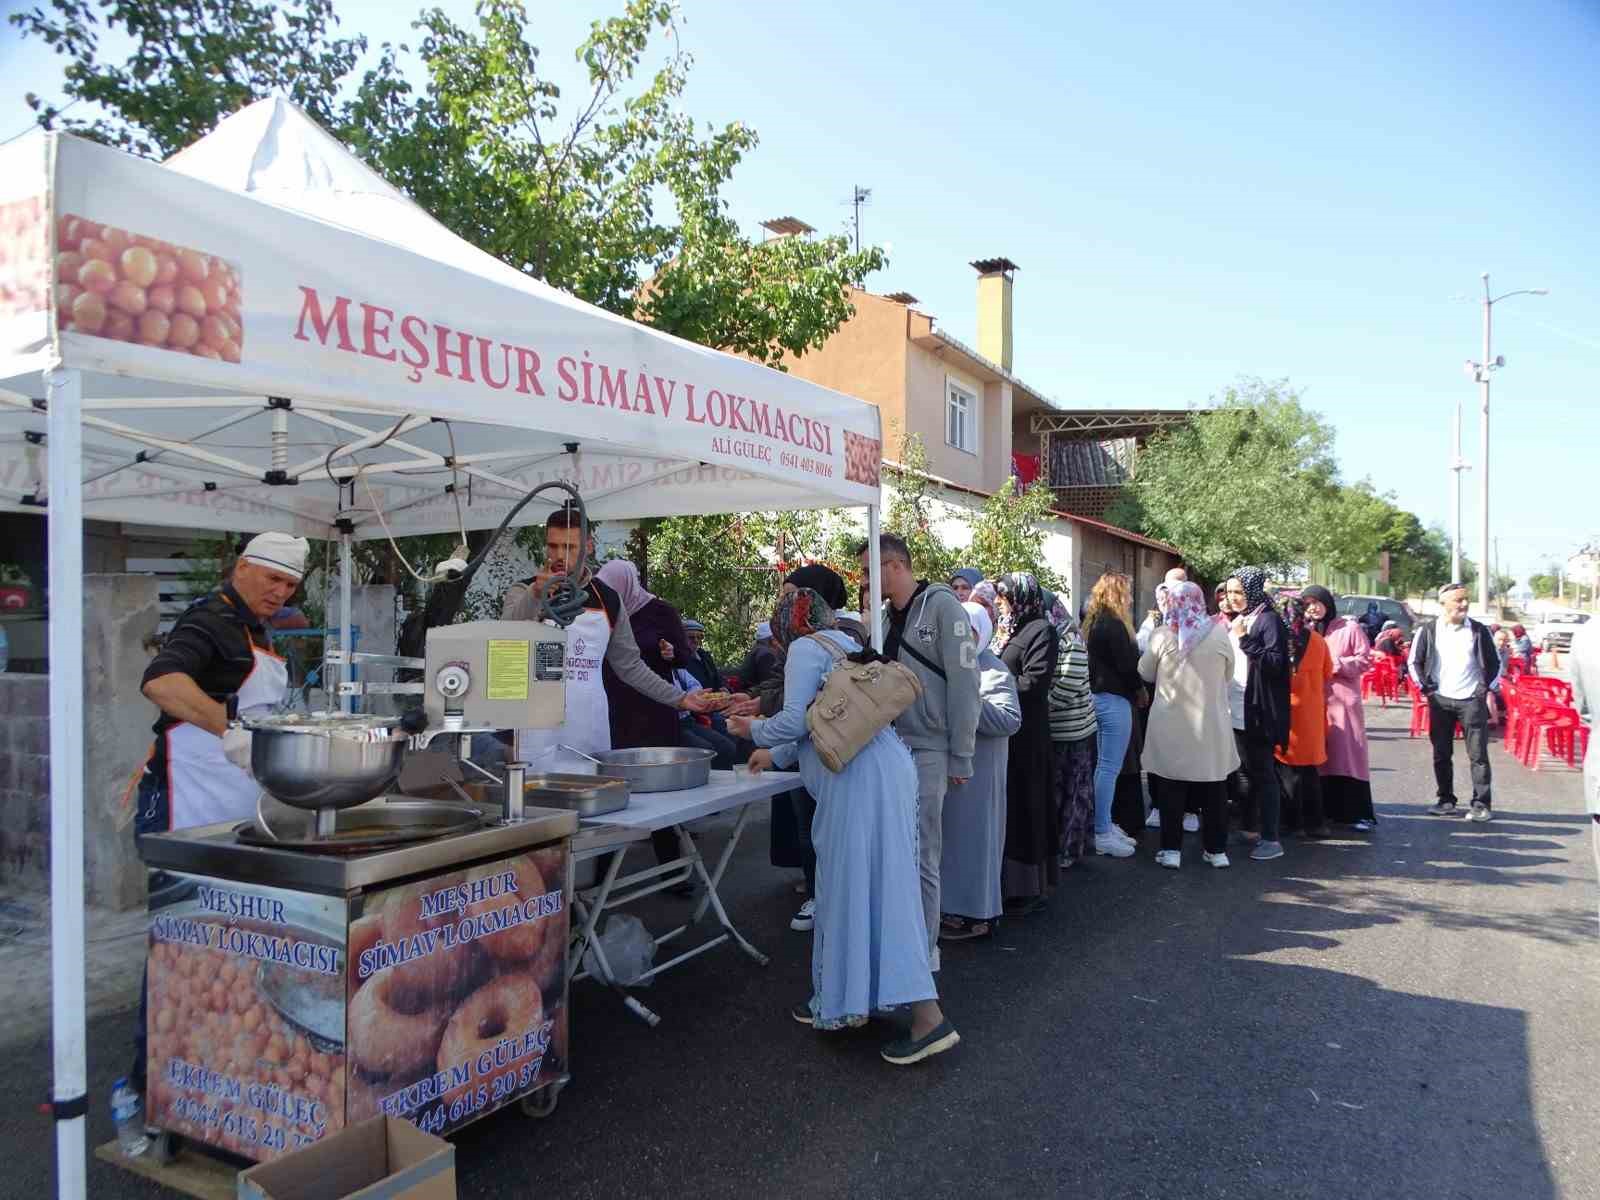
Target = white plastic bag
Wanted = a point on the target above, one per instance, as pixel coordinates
(629, 948)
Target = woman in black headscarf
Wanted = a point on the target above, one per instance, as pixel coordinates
(1346, 775)
(1264, 641)
(1031, 868)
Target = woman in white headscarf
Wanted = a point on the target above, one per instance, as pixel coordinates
(975, 811)
(1189, 739)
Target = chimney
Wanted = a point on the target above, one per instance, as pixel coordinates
(994, 309)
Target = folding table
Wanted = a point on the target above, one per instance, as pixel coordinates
(615, 833)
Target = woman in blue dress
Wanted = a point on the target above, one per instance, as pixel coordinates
(870, 949)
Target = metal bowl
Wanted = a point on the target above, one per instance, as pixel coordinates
(658, 768)
(325, 760)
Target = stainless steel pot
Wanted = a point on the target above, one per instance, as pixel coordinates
(325, 760)
(658, 768)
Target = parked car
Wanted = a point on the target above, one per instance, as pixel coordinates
(1556, 627)
(1393, 610)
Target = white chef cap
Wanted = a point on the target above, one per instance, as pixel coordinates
(279, 551)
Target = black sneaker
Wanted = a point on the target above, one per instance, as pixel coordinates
(905, 1051)
(802, 1012)
(1445, 808)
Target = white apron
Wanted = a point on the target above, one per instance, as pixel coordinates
(588, 717)
(204, 786)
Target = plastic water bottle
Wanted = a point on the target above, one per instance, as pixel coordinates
(127, 1113)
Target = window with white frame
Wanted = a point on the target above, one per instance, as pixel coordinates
(961, 417)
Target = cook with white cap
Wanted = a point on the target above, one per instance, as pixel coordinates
(198, 770)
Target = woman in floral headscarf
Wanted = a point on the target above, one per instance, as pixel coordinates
(1033, 840)
(1259, 703)
(1307, 748)
(870, 948)
(1188, 741)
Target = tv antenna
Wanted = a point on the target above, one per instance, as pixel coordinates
(859, 196)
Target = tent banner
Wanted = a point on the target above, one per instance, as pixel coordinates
(24, 254)
(165, 277)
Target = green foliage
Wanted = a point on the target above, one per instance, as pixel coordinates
(911, 514)
(1008, 535)
(1547, 583)
(1244, 483)
(192, 63)
(725, 570)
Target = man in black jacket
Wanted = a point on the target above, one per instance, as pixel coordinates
(1454, 664)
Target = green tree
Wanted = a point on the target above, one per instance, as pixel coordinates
(613, 193)
(1546, 583)
(911, 512)
(1008, 535)
(1243, 483)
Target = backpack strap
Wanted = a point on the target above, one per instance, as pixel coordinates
(829, 645)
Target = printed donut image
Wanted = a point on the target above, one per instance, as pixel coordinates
(433, 978)
(520, 942)
(132, 288)
(548, 964)
(386, 1040)
(863, 459)
(508, 1006)
(552, 864)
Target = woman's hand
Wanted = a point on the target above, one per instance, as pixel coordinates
(665, 647)
(739, 726)
(742, 705)
(760, 761)
(1236, 627)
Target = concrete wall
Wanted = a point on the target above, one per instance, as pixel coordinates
(120, 616)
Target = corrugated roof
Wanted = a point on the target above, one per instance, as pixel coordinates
(1083, 463)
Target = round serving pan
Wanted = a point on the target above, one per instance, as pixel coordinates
(658, 768)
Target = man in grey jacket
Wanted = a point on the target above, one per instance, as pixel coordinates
(926, 628)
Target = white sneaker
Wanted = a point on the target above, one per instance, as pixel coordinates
(1219, 859)
(1171, 859)
(1191, 822)
(1153, 821)
(1116, 831)
(806, 918)
(1110, 844)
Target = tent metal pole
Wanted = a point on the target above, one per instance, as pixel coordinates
(68, 1019)
(875, 558)
(348, 673)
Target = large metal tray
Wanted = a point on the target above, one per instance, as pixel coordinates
(586, 795)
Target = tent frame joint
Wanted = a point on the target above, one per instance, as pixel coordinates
(277, 477)
(279, 402)
(68, 1109)
(34, 437)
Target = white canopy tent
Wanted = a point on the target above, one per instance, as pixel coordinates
(277, 339)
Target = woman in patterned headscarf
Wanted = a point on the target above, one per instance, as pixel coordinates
(870, 950)
(1260, 704)
(1307, 748)
(1033, 837)
(1188, 743)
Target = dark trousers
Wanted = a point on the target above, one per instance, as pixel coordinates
(1177, 796)
(1443, 713)
(1302, 795)
(1261, 800)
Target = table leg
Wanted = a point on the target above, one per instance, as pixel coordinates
(714, 880)
(587, 940)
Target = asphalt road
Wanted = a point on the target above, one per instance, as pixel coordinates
(1410, 1014)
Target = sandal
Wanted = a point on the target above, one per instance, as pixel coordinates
(959, 929)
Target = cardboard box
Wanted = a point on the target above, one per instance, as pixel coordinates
(384, 1158)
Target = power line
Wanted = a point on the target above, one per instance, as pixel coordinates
(24, 132)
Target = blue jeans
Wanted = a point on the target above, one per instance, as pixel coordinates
(1114, 716)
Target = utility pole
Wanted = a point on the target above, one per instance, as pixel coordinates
(1480, 372)
(1457, 465)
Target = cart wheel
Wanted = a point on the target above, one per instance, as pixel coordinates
(542, 1103)
(164, 1147)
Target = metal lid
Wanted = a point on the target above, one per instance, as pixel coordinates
(355, 727)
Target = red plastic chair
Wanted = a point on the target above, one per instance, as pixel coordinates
(1555, 727)
(1420, 719)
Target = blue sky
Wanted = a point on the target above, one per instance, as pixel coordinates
(1194, 193)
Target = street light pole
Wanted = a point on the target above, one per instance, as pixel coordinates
(1457, 465)
(1480, 372)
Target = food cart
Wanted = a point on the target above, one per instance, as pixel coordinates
(277, 339)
